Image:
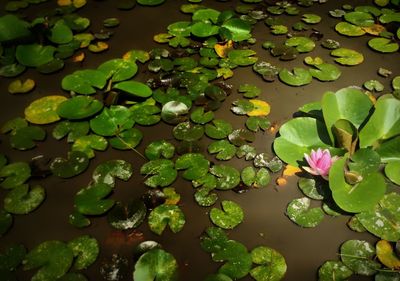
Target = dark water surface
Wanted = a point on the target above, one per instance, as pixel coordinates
(265, 221)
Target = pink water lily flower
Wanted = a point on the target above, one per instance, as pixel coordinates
(319, 162)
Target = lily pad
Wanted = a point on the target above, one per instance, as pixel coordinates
(373, 85)
(156, 264)
(73, 130)
(174, 112)
(271, 264)
(12, 27)
(300, 213)
(347, 56)
(383, 45)
(383, 220)
(302, 44)
(254, 123)
(84, 82)
(85, 249)
(360, 18)
(188, 132)
(200, 117)
(34, 55)
(392, 171)
(90, 200)
(325, 72)
(76, 164)
(79, 107)
(195, 165)
(107, 172)
(127, 216)
(299, 76)
(311, 188)
(146, 114)
(334, 271)
(53, 258)
(60, 33)
(89, 143)
(21, 200)
(239, 28)
(24, 138)
(6, 221)
(164, 215)
(227, 177)
(158, 149)
(386, 255)
(118, 69)
(223, 148)
(229, 217)
(44, 110)
(358, 255)
(12, 257)
(311, 18)
(159, 172)
(14, 174)
(128, 139)
(240, 137)
(242, 57)
(21, 87)
(111, 121)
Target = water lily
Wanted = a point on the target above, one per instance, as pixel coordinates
(319, 162)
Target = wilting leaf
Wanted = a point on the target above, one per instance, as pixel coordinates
(300, 213)
(85, 249)
(271, 264)
(358, 255)
(386, 255)
(164, 215)
(98, 47)
(90, 200)
(44, 110)
(21, 87)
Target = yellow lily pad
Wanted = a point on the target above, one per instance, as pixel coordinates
(98, 47)
(223, 49)
(44, 110)
(261, 108)
(386, 255)
(78, 57)
(21, 87)
(79, 3)
(225, 72)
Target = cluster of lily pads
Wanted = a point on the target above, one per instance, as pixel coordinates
(108, 106)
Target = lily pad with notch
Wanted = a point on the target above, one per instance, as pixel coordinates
(24, 138)
(195, 165)
(302, 44)
(72, 130)
(21, 87)
(127, 140)
(85, 249)
(251, 177)
(91, 200)
(229, 217)
(312, 189)
(146, 114)
(79, 107)
(383, 45)
(223, 149)
(242, 57)
(44, 110)
(84, 82)
(198, 116)
(284, 53)
(76, 164)
(112, 121)
(14, 174)
(271, 264)
(268, 71)
(118, 69)
(228, 177)
(359, 255)
(159, 148)
(22, 200)
(299, 212)
(360, 18)
(255, 123)
(299, 76)
(240, 137)
(334, 270)
(160, 172)
(88, 144)
(107, 172)
(174, 112)
(346, 56)
(34, 55)
(164, 215)
(188, 132)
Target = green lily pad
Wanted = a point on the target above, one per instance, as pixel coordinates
(107, 172)
(174, 112)
(347, 56)
(12, 257)
(12, 70)
(384, 219)
(299, 76)
(12, 27)
(240, 137)
(247, 151)
(127, 216)
(111, 121)
(156, 264)
(90, 200)
(358, 255)
(242, 106)
(373, 85)
(334, 271)
(387, 111)
(229, 217)
(14, 174)
(128, 139)
(164, 215)
(240, 29)
(300, 213)
(249, 91)
(146, 115)
(200, 117)
(242, 57)
(204, 29)
(44, 110)
(34, 55)
(79, 107)
(383, 45)
(73, 130)
(358, 18)
(299, 136)
(359, 197)
(266, 70)
(111, 22)
(89, 143)
(85, 249)
(159, 172)
(188, 132)
(271, 264)
(24, 138)
(223, 148)
(53, 258)
(228, 177)
(392, 171)
(84, 82)
(78, 220)
(195, 165)
(312, 189)
(6, 221)
(73, 276)
(21, 200)
(302, 44)
(60, 33)
(118, 69)
(76, 164)
(325, 72)
(160, 148)
(311, 18)
(279, 29)
(254, 123)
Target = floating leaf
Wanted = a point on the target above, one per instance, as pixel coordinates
(134, 88)
(254, 123)
(14, 174)
(12, 257)
(302, 44)
(146, 114)
(107, 172)
(127, 216)
(20, 200)
(224, 149)
(249, 90)
(34, 55)
(156, 264)
(251, 177)
(111, 22)
(240, 137)
(90, 200)
(53, 258)
(79, 107)
(279, 29)
(76, 164)
(118, 69)
(386, 255)
(78, 220)
(392, 171)
(188, 132)
(298, 211)
(89, 143)
(11, 28)
(21, 87)
(347, 56)
(73, 130)
(111, 121)
(271, 264)
(85, 81)
(227, 177)
(359, 18)
(229, 217)
(373, 85)
(383, 45)
(358, 255)
(334, 271)
(12, 70)
(299, 76)
(311, 18)
(86, 250)
(200, 117)
(150, 2)
(98, 47)
(260, 108)
(204, 29)
(174, 112)
(312, 189)
(248, 151)
(242, 57)
(160, 172)
(60, 33)
(44, 110)
(324, 71)
(164, 215)
(159, 148)
(383, 220)
(195, 165)
(24, 138)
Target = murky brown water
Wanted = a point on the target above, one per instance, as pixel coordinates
(265, 222)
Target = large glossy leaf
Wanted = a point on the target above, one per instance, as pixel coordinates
(392, 171)
(239, 28)
(11, 28)
(53, 258)
(174, 112)
(164, 215)
(118, 69)
(384, 219)
(134, 88)
(107, 172)
(229, 217)
(359, 197)
(90, 200)
(348, 104)
(195, 165)
(85, 249)
(204, 29)
(79, 107)
(358, 255)
(383, 124)
(299, 76)
(34, 55)
(84, 81)
(21, 200)
(299, 212)
(44, 110)
(159, 172)
(111, 121)
(299, 136)
(156, 265)
(271, 264)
